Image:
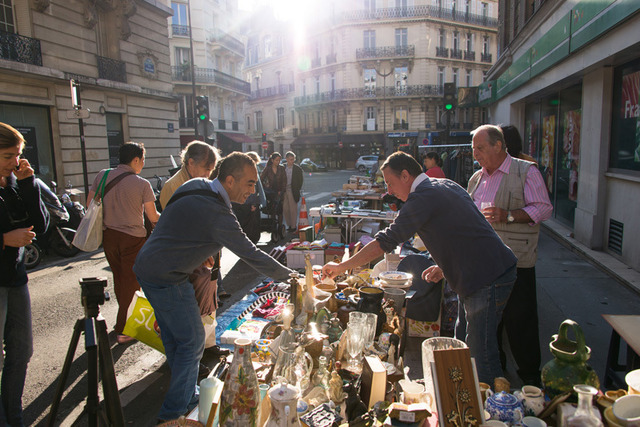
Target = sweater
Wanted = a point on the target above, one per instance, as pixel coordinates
(190, 230)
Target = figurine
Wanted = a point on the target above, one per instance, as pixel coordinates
(355, 407)
(335, 388)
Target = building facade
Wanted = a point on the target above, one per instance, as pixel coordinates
(568, 78)
(368, 76)
(118, 53)
(212, 27)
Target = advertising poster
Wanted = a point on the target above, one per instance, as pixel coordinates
(546, 156)
(571, 149)
(631, 107)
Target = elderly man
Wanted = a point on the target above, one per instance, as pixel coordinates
(176, 247)
(513, 198)
(468, 252)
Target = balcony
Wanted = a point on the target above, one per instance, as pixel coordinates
(469, 55)
(332, 129)
(272, 91)
(234, 125)
(418, 11)
(316, 62)
(442, 52)
(227, 41)
(20, 48)
(210, 75)
(456, 54)
(386, 52)
(111, 69)
(317, 130)
(222, 124)
(401, 126)
(485, 57)
(186, 122)
(362, 93)
(180, 30)
(304, 131)
(332, 58)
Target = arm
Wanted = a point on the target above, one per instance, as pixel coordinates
(151, 212)
(370, 252)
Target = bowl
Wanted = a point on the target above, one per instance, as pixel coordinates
(633, 381)
(627, 410)
(395, 278)
(610, 418)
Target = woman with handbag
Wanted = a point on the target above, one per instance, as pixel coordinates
(22, 215)
(274, 182)
(127, 198)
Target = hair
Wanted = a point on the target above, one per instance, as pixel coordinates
(233, 165)
(399, 161)
(290, 154)
(254, 156)
(434, 156)
(10, 137)
(200, 153)
(129, 151)
(512, 139)
(494, 134)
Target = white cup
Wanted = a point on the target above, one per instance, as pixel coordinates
(627, 410)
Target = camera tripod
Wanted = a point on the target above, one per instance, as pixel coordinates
(99, 359)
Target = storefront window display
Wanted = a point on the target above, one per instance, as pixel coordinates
(625, 126)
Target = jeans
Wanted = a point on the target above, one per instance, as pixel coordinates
(182, 334)
(481, 312)
(17, 337)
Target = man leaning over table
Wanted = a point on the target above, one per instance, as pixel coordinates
(176, 247)
(518, 201)
(467, 251)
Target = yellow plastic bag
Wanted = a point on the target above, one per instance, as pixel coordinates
(141, 322)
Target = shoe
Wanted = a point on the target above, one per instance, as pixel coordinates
(123, 339)
(216, 351)
(203, 371)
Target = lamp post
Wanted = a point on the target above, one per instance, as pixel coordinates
(384, 76)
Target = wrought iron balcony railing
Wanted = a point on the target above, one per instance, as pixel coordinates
(332, 58)
(111, 69)
(469, 55)
(20, 48)
(226, 40)
(360, 93)
(385, 52)
(456, 54)
(485, 57)
(421, 11)
(401, 126)
(180, 30)
(317, 130)
(186, 122)
(442, 52)
(272, 91)
(304, 131)
(210, 75)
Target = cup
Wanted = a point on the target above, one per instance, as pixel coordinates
(533, 422)
(397, 296)
(627, 410)
(412, 392)
(633, 381)
(428, 347)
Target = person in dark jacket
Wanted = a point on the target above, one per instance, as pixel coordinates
(292, 193)
(22, 215)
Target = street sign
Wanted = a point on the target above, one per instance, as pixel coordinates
(81, 113)
(265, 145)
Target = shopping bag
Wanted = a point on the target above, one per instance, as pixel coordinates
(141, 322)
(88, 236)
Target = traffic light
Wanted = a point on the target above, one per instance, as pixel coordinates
(450, 96)
(264, 137)
(202, 108)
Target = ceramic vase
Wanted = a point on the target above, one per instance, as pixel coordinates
(239, 403)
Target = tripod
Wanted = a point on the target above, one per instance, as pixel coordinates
(99, 359)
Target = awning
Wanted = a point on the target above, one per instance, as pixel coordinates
(307, 140)
(238, 137)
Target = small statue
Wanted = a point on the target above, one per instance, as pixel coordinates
(335, 388)
(355, 407)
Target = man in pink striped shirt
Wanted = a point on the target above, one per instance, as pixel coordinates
(512, 196)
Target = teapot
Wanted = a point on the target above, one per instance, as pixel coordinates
(293, 366)
(284, 402)
(504, 407)
(532, 399)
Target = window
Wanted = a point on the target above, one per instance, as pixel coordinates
(485, 10)
(625, 131)
(369, 82)
(469, 78)
(267, 46)
(221, 108)
(400, 116)
(183, 55)
(179, 13)
(317, 46)
(456, 41)
(485, 45)
(259, 121)
(332, 82)
(442, 38)
(371, 113)
(334, 118)
(455, 76)
(370, 118)
(400, 77)
(484, 75)
(467, 6)
(317, 85)
(401, 3)
(441, 77)
(248, 122)
(304, 88)
(369, 39)
(293, 117)
(185, 112)
(280, 118)
(370, 5)
(469, 42)
(401, 37)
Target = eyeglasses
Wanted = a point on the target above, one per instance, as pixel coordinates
(15, 207)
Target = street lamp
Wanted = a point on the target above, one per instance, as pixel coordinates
(384, 76)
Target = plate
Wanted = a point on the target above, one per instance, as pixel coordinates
(405, 285)
(395, 278)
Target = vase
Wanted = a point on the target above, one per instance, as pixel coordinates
(240, 398)
(371, 302)
(569, 365)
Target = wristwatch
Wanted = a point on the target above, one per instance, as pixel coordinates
(510, 217)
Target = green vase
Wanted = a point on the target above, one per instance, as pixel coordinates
(569, 366)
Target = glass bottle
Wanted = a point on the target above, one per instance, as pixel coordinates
(322, 376)
(584, 415)
(287, 336)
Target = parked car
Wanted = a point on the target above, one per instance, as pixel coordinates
(308, 166)
(261, 165)
(322, 167)
(366, 162)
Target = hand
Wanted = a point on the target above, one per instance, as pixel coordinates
(24, 170)
(209, 263)
(331, 270)
(432, 274)
(494, 214)
(19, 237)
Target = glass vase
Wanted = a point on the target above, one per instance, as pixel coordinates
(584, 416)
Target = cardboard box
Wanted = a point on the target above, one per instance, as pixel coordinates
(333, 234)
(295, 258)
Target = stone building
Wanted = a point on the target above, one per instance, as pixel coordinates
(368, 77)
(567, 76)
(118, 53)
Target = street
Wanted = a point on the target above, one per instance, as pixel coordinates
(568, 287)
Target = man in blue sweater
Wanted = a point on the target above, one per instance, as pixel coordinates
(195, 225)
(468, 253)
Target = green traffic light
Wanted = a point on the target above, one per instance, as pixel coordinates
(448, 106)
(203, 117)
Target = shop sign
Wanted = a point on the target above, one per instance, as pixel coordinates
(487, 92)
(402, 134)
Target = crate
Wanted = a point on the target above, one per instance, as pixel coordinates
(295, 258)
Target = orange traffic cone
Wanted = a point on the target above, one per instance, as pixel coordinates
(303, 220)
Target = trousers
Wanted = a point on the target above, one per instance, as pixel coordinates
(290, 209)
